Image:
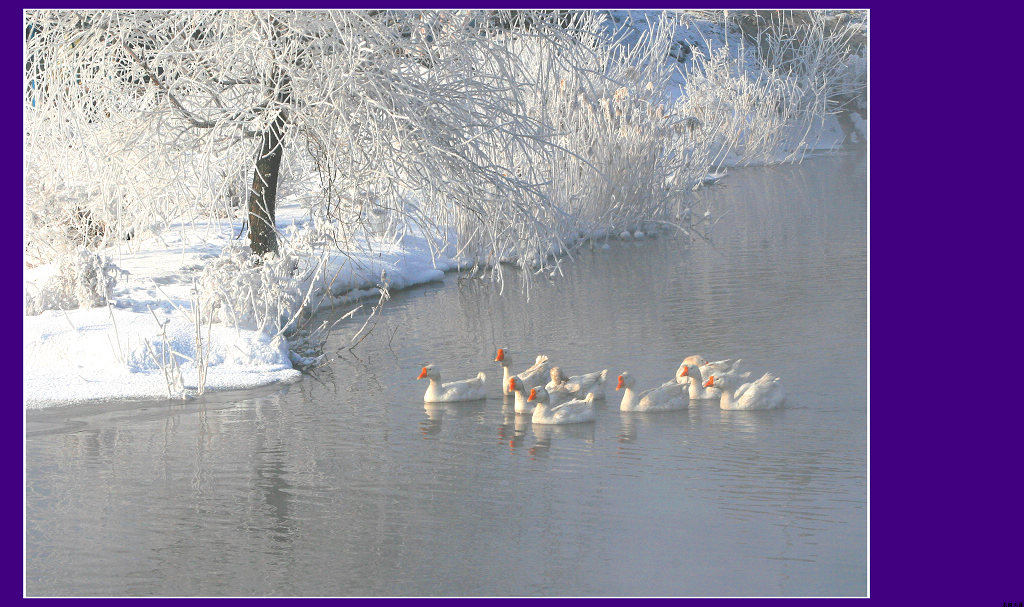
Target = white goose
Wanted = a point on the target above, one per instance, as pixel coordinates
(562, 388)
(453, 391)
(668, 397)
(540, 367)
(691, 377)
(705, 369)
(765, 393)
(695, 359)
(722, 367)
(570, 412)
(516, 386)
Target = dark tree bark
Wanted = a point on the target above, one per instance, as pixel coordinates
(263, 194)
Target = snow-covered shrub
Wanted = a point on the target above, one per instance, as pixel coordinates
(822, 51)
(609, 166)
(94, 278)
(87, 189)
(238, 290)
(765, 97)
(751, 115)
(852, 83)
(58, 221)
(80, 279)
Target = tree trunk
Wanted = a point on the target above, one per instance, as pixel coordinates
(263, 194)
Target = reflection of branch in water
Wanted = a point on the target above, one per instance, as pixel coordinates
(477, 307)
(315, 375)
(710, 243)
(385, 295)
(390, 349)
(470, 276)
(691, 231)
(719, 218)
(271, 478)
(366, 370)
(312, 343)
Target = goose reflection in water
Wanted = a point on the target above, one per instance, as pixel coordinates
(631, 421)
(436, 412)
(513, 427)
(432, 425)
(546, 434)
(627, 431)
(741, 421)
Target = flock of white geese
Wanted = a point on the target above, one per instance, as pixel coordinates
(568, 400)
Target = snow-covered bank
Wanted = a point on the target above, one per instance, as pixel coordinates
(101, 354)
(123, 351)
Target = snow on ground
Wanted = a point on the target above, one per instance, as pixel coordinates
(117, 352)
(107, 354)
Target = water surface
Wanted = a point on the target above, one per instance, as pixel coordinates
(345, 483)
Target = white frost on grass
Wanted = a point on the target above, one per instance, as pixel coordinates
(100, 354)
(94, 354)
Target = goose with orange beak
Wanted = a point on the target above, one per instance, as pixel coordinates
(765, 393)
(695, 368)
(539, 368)
(518, 388)
(453, 391)
(691, 377)
(667, 397)
(575, 411)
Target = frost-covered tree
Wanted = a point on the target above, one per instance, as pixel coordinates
(477, 124)
(168, 96)
(195, 85)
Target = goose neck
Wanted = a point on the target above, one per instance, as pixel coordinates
(434, 389)
(628, 398)
(727, 397)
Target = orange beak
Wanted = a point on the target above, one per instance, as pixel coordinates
(621, 384)
(533, 394)
(423, 373)
(710, 383)
(501, 354)
(512, 384)
(686, 370)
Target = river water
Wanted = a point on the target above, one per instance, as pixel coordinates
(346, 484)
